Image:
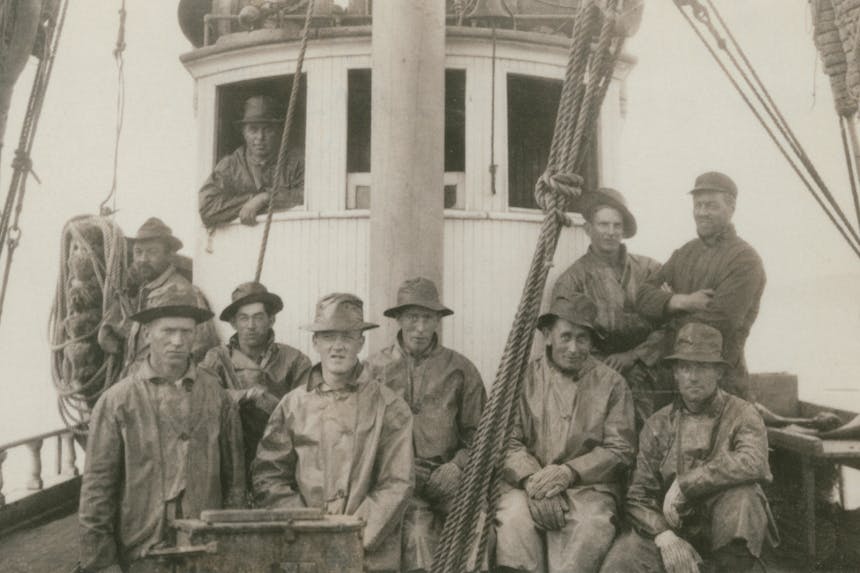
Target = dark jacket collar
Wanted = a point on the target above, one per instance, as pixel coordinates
(726, 234)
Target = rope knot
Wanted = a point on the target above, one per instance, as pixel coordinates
(553, 191)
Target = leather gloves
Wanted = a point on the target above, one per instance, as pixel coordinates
(445, 481)
(678, 555)
(549, 481)
(548, 513)
(673, 505)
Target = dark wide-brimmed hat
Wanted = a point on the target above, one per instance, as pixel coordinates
(418, 292)
(715, 181)
(249, 293)
(155, 228)
(173, 301)
(608, 197)
(579, 310)
(339, 312)
(697, 342)
(261, 109)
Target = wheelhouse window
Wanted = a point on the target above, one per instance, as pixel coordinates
(358, 138)
(532, 107)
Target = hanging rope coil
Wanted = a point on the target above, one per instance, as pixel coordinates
(93, 264)
(464, 540)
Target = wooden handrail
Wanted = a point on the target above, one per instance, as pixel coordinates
(64, 462)
(51, 434)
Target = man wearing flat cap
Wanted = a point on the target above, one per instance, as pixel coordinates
(152, 271)
(164, 443)
(696, 490)
(571, 443)
(445, 392)
(255, 370)
(610, 276)
(716, 279)
(341, 441)
(242, 182)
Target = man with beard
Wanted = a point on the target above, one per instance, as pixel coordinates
(446, 394)
(241, 184)
(341, 441)
(153, 271)
(716, 279)
(164, 443)
(571, 442)
(255, 370)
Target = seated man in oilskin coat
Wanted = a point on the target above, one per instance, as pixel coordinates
(341, 441)
(445, 392)
(242, 182)
(572, 440)
(696, 488)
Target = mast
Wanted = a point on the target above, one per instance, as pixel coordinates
(407, 145)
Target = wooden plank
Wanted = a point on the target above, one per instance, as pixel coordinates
(799, 443)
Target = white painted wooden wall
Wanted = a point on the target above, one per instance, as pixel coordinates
(322, 247)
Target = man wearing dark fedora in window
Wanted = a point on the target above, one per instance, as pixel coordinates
(255, 370)
(242, 182)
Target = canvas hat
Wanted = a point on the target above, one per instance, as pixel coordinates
(154, 228)
(261, 109)
(715, 181)
(247, 293)
(418, 292)
(697, 342)
(578, 309)
(341, 312)
(606, 196)
(173, 300)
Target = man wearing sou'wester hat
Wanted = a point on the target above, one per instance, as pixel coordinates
(716, 279)
(445, 392)
(255, 370)
(164, 442)
(696, 491)
(367, 470)
(242, 182)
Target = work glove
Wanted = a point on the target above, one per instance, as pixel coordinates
(549, 481)
(444, 481)
(548, 513)
(673, 505)
(678, 555)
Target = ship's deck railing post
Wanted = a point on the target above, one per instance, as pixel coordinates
(65, 459)
(2, 459)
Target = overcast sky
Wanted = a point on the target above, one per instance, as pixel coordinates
(682, 118)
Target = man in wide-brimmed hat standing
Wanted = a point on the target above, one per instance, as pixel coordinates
(610, 276)
(716, 279)
(341, 441)
(165, 442)
(696, 488)
(446, 394)
(255, 370)
(242, 182)
(152, 271)
(572, 440)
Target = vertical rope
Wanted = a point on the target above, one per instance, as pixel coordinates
(847, 125)
(285, 136)
(118, 51)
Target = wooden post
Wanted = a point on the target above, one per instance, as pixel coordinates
(2, 459)
(69, 469)
(35, 480)
(407, 146)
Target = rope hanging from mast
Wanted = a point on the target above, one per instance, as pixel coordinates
(285, 137)
(587, 77)
(118, 52)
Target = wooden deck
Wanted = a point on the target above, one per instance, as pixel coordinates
(51, 547)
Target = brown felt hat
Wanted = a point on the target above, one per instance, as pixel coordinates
(261, 109)
(341, 312)
(418, 292)
(715, 181)
(579, 310)
(697, 342)
(155, 228)
(248, 293)
(608, 197)
(173, 301)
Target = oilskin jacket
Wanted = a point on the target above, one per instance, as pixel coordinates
(151, 455)
(347, 451)
(723, 446)
(235, 180)
(586, 423)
